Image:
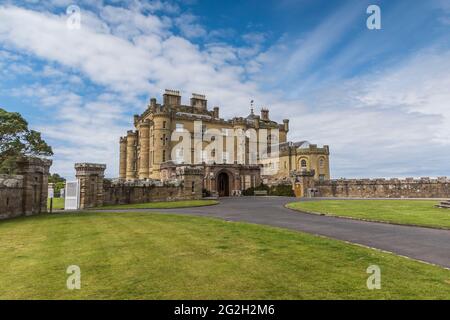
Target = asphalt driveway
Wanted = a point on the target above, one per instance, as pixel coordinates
(430, 245)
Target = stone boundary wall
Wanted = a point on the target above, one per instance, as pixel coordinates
(11, 196)
(385, 188)
(142, 192)
(96, 191)
(25, 194)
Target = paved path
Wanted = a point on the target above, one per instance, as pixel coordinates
(430, 245)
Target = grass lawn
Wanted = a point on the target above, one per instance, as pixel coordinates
(156, 256)
(58, 203)
(414, 212)
(163, 205)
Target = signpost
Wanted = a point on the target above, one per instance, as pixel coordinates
(51, 194)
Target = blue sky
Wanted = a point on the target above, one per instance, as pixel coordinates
(379, 98)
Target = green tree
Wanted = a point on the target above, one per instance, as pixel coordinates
(16, 140)
(58, 181)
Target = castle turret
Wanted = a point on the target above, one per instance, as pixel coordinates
(131, 155)
(144, 153)
(123, 158)
(162, 138)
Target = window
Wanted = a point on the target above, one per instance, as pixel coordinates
(321, 177)
(204, 156)
(321, 163)
(226, 157)
(303, 163)
(179, 154)
(226, 132)
(179, 127)
(164, 156)
(285, 164)
(164, 124)
(193, 186)
(164, 139)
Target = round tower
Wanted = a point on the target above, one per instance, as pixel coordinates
(131, 155)
(123, 158)
(144, 149)
(161, 145)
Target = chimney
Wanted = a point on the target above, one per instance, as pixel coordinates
(286, 124)
(216, 112)
(199, 102)
(172, 98)
(153, 102)
(264, 114)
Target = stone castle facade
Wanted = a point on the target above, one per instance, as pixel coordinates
(147, 152)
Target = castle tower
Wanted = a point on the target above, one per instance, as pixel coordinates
(131, 155)
(144, 149)
(161, 144)
(123, 158)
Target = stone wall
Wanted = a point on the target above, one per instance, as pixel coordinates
(25, 193)
(95, 191)
(385, 188)
(11, 195)
(142, 192)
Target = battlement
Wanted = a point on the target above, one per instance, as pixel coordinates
(172, 92)
(199, 96)
(420, 180)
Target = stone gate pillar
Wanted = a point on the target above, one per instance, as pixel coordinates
(35, 184)
(90, 176)
(302, 181)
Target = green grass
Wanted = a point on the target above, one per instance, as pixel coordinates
(156, 256)
(413, 212)
(163, 205)
(58, 203)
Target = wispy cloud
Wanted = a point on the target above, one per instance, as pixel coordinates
(389, 119)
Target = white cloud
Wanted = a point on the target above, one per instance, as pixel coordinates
(383, 124)
(187, 23)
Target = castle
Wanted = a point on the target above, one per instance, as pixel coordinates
(234, 154)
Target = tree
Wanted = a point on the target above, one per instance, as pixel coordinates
(16, 140)
(58, 181)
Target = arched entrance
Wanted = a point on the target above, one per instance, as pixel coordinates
(223, 184)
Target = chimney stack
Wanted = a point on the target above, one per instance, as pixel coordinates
(172, 98)
(286, 124)
(216, 112)
(199, 102)
(264, 114)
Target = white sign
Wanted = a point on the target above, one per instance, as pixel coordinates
(51, 193)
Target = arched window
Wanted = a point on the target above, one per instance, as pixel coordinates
(321, 163)
(303, 164)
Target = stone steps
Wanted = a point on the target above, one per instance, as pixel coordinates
(444, 204)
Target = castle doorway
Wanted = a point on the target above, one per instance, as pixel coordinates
(223, 184)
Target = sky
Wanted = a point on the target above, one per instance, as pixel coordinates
(379, 98)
